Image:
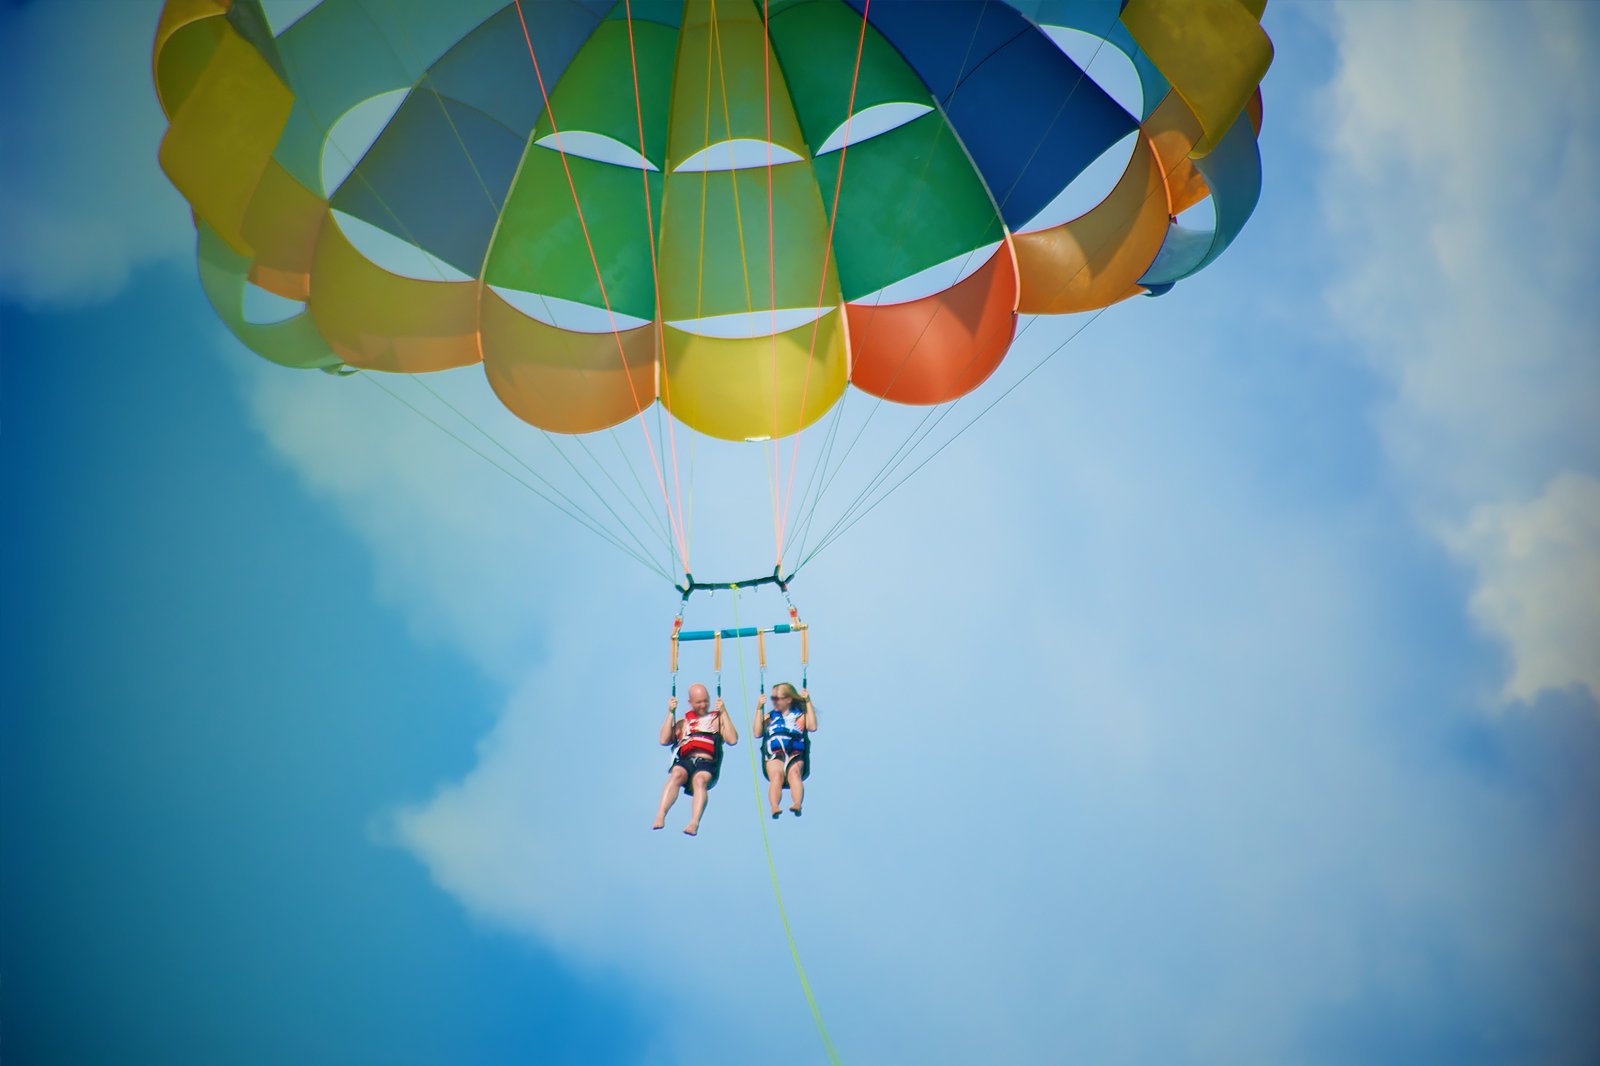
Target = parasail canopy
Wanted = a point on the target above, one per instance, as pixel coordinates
(733, 209)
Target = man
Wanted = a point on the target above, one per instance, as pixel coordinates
(698, 738)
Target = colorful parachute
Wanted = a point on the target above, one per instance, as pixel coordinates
(728, 211)
(705, 203)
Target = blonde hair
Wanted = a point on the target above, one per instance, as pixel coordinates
(794, 695)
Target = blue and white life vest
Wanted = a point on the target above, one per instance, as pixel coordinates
(786, 738)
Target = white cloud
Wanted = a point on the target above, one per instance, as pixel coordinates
(471, 556)
(1113, 740)
(1465, 148)
(82, 198)
(1079, 759)
(1539, 583)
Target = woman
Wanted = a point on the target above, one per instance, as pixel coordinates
(784, 730)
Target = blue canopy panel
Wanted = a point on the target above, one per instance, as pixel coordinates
(1102, 18)
(1029, 117)
(459, 136)
(340, 54)
(436, 151)
(944, 42)
(490, 70)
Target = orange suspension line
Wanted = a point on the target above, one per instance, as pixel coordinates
(655, 276)
(772, 278)
(827, 253)
(600, 279)
(738, 210)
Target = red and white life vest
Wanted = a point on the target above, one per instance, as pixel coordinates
(702, 735)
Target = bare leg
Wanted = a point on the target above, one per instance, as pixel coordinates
(697, 799)
(669, 795)
(797, 787)
(774, 784)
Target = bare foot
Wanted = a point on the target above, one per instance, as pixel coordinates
(659, 824)
(691, 829)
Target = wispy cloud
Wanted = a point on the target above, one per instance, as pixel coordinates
(1464, 151)
(1539, 582)
(472, 557)
(82, 199)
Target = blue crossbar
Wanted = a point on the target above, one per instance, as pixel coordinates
(734, 634)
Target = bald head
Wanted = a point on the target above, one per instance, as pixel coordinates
(699, 698)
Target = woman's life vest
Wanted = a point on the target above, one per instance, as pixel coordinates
(786, 737)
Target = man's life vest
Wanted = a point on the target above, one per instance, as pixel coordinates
(703, 735)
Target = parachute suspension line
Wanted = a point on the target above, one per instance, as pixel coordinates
(715, 32)
(772, 284)
(772, 866)
(705, 184)
(919, 433)
(1164, 190)
(830, 439)
(661, 447)
(836, 419)
(497, 207)
(922, 178)
(909, 444)
(581, 518)
(355, 168)
(652, 520)
(426, 81)
(689, 526)
(626, 528)
(930, 421)
(774, 480)
(1050, 355)
(663, 415)
(1083, 74)
(655, 277)
(827, 254)
(733, 175)
(923, 429)
(605, 298)
(700, 265)
(833, 535)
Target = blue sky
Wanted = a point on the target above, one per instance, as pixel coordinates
(1227, 694)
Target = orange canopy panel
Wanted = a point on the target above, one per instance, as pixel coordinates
(1097, 258)
(562, 380)
(939, 347)
(282, 224)
(377, 320)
